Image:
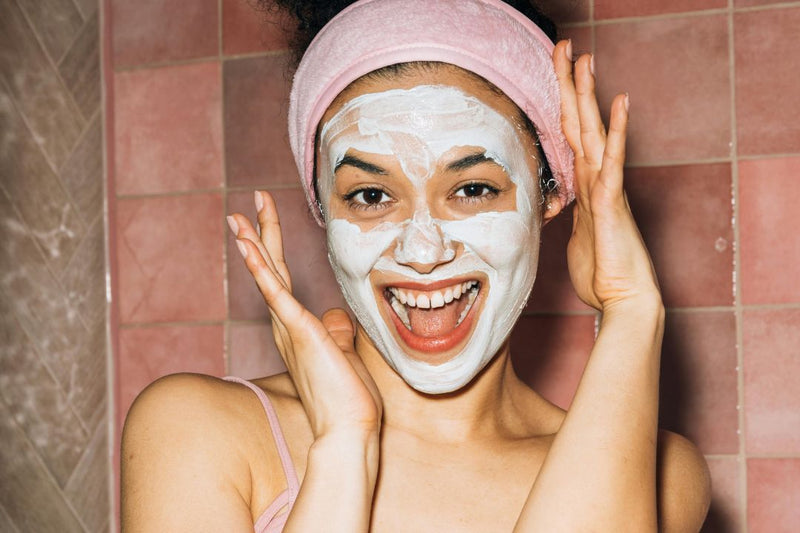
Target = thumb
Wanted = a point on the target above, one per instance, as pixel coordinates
(340, 328)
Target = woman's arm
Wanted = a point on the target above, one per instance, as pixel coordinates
(601, 471)
(340, 398)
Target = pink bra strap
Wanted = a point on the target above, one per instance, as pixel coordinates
(280, 441)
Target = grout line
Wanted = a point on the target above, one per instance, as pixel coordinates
(226, 356)
(767, 156)
(184, 323)
(224, 190)
(249, 322)
(678, 14)
(566, 312)
(768, 7)
(195, 60)
(267, 187)
(679, 162)
(105, 38)
(170, 194)
(737, 277)
(662, 16)
(719, 456)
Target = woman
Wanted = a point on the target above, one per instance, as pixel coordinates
(412, 123)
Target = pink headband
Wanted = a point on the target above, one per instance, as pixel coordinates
(487, 37)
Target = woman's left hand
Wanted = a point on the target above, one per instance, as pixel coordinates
(607, 258)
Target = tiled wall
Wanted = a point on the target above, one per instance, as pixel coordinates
(199, 103)
(54, 461)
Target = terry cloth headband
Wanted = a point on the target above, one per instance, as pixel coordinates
(486, 37)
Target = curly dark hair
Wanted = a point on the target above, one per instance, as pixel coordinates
(309, 16)
(303, 19)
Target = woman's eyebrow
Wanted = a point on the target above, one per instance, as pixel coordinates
(353, 161)
(468, 162)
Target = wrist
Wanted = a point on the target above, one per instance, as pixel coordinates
(644, 304)
(352, 450)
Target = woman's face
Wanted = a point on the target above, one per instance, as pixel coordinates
(429, 188)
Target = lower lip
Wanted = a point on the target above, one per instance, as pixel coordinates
(434, 344)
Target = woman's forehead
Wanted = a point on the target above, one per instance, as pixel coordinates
(432, 74)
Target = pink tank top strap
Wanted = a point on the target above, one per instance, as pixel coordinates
(287, 497)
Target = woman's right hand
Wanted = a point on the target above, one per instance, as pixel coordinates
(339, 395)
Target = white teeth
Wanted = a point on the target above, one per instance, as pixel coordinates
(401, 300)
(470, 301)
(401, 311)
(448, 296)
(437, 300)
(432, 299)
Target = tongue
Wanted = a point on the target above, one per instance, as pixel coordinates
(435, 322)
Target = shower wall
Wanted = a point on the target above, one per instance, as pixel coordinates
(54, 460)
(199, 122)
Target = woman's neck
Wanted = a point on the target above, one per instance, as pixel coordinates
(495, 404)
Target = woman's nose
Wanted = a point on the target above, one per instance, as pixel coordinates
(422, 246)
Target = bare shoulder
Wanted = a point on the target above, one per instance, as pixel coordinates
(684, 484)
(187, 449)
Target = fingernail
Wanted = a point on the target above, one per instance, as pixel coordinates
(568, 49)
(627, 102)
(591, 64)
(242, 248)
(232, 224)
(259, 201)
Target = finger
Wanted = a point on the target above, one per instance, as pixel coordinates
(340, 328)
(275, 293)
(271, 236)
(614, 154)
(593, 132)
(243, 229)
(570, 121)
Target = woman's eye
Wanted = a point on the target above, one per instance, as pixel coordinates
(367, 197)
(476, 190)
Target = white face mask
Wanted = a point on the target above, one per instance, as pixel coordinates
(479, 292)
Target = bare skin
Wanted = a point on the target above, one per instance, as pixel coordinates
(374, 455)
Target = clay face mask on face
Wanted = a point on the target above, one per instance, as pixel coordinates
(476, 294)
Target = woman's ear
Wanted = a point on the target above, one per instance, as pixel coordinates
(552, 207)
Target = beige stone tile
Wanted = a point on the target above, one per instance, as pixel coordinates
(35, 190)
(87, 489)
(35, 86)
(30, 292)
(86, 391)
(80, 68)
(82, 174)
(56, 23)
(87, 7)
(84, 278)
(29, 494)
(37, 404)
(5, 522)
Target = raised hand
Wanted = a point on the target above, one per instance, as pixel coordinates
(337, 392)
(607, 259)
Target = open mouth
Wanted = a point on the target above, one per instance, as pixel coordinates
(433, 320)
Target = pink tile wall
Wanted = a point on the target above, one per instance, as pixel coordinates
(198, 112)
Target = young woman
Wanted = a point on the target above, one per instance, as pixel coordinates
(434, 140)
